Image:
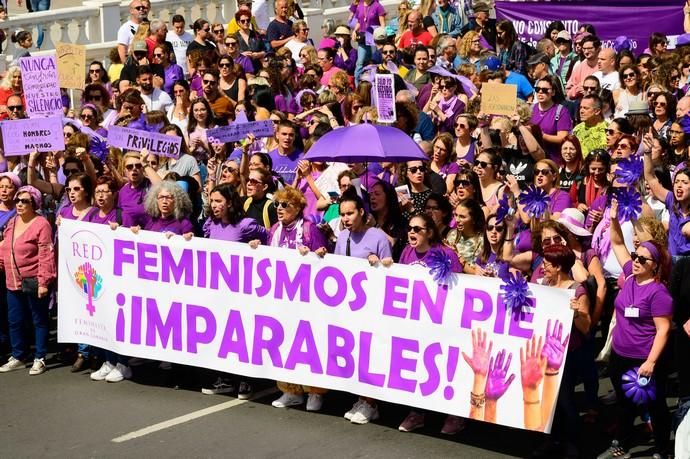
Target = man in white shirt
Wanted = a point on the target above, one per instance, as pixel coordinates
(138, 12)
(607, 74)
(154, 98)
(180, 39)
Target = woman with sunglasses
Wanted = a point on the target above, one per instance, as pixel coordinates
(467, 238)
(258, 205)
(625, 147)
(131, 196)
(445, 103)
(466, 186)
(630, 90)
(172, 72)
(91, 117)
(487, 166)
(663, 111)
(441, 212)
(551, 116)
(443, 159)
(465, 144)
(232, 83)
(387, 214)
(423, 237)
(497, 247)
(571, 158)
(595, 181)
(97, 75)
(644, 309)
(247, 42)
(414, 175)
(27, 254)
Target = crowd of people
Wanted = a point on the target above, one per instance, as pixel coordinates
(585, 187)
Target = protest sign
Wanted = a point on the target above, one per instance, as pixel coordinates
(384, 92)
(239, 131)
(41, 87)
(137, 140)
(71, 65)
(26, 135)
(394, 334)
(499, 99)
(531, 19)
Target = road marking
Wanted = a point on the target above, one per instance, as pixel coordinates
(190, 417)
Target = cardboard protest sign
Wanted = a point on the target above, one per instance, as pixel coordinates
(499, 99)
(26, 135)
(384, 92)
(137, 140)
(41, 86)
(238, 131)
(71, 65)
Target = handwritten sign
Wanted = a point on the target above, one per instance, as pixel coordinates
(27, 135)
(71, 65)
(41, 87)
(137, 140)
(238, 131)
(499, 99)
(384, 92)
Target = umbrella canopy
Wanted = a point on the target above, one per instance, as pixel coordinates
(366, 143)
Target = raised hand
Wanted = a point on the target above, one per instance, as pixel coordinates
(481, 351)
(497, 384)
(554, 347)
(532, 363)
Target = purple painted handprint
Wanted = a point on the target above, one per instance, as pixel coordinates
(481, 351)
(497, 384)
(554, 349)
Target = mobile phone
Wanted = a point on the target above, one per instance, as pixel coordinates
(333, 195)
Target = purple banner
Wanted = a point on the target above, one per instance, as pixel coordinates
(238, 131)
(137, 140)
(27, 135)
(41, 87)
(610, 19)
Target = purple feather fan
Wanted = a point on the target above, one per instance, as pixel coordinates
(440, 265)
(515, 292)
(685, 124)
(629, 203)
(630, 170)
(503, 209)
(535, 200)
(639, 389)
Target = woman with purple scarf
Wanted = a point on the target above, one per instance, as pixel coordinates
(445, 104)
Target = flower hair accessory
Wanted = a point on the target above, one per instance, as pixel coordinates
(639, 389)
(515, 292)
(630, 170)
(629, 203)
(535, 200)
(440, 265)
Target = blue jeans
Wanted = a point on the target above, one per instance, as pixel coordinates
(18, 306)
(84, 350)
(364, 53)
(40, 5)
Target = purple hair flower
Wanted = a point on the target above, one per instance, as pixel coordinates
(440, 265)
(630, 170)
(639, 389)
(629, 203)
(99, 148)
(503, 208)
(515, 292)
(535, 200)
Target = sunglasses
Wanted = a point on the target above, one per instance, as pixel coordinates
(218, 31)
(551, 241)
(224, 65)
(229, 168)
(659, 104)
(546, 171)
(462, 183)
(589, 88)
(630, 76)
(443, 86)
(69, 172)
(94, 70)
(76, 189)
(498, 228)
(639, 258)
(283, 204)
(159, 55)
(388, 52)
(210, 82)
(140, 8)
(415, 169)
(86, 117)
(254, 182)
(482, 164)
(461, 126)
(245, 21)
(611, 132)
(304, 30)
(231, 43)
(14, 108)
(130, 167)
(24, 201)
(541, 90)
(415, 229)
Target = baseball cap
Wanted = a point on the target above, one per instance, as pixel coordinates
(492, 63)
(538, 58)
(139, 46)
(481, 6)
(563, 35)
(380, 34)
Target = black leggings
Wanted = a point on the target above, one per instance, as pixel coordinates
(627, 410)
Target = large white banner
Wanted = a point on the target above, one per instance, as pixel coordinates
(393, 333)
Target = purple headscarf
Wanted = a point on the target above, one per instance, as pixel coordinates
(33, 192)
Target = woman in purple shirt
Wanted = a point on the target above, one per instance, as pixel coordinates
(552, 117)
(132, 194)
(443, 159)
(445, 103)
(167, 211)
(643, 311)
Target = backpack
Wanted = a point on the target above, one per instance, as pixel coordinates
(264, 214)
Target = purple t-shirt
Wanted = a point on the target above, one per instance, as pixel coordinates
(309, 195)
(549, 125)
(633, 336)
(163, 225)
(66, 212)
(449, 169)
(312, 237)
(131, 201)
(172, 74)
(372, 241)
(367, 15)
(244, 231)
(285, 166)
(347, 65)
(94, 216)
(677, 243)
(410, 256)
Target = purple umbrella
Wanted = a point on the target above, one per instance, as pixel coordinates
(366, 142)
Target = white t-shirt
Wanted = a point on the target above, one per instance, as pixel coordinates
(157, 100)
(295, 46)
(126, 33)
(611, 81)
(261, 13)
(180, 43)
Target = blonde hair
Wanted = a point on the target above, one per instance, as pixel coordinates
(291, 195)
(554, 168)
(463, 46)
(311, 51)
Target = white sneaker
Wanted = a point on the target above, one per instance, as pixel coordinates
(102, 372)
(38, 367)
(353, 410)
(12, 365)
(288, 399)
(365, 413)
(119, 373)
(314, 402)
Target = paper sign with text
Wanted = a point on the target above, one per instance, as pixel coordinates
(71, 62)
(41, 86)
(23, 136)
(384, 91)
(238, 131)
(499, 99)
(390, 333)
(136, 140)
